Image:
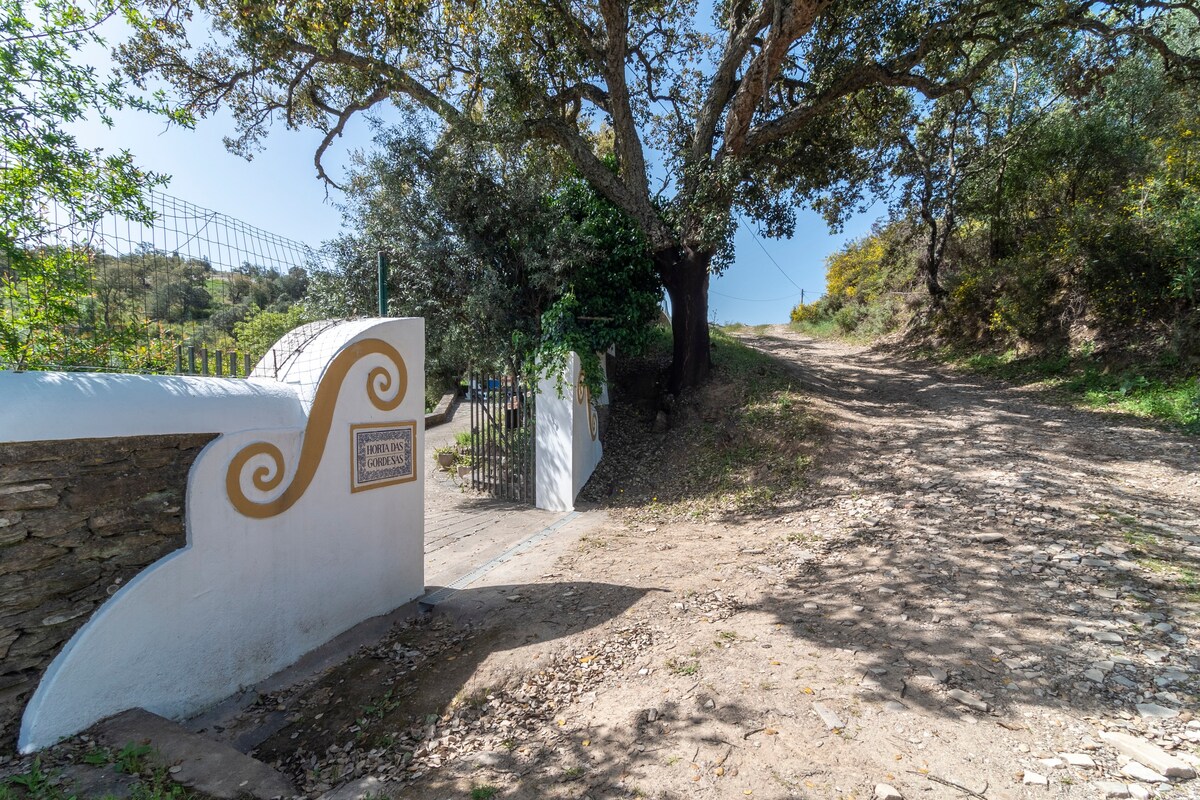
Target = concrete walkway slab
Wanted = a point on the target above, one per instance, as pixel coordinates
(464, 529)
(197, 762)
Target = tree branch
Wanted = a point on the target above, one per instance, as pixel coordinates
(897, 74)
(291, 89)
(580, 91)
(637, 205)
(723, 81)
(627, 142)
(395, 79)
(381, 93)
(790, 24)
(584, 36)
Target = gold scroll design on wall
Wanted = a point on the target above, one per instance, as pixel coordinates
(320, 419)
(584, 395)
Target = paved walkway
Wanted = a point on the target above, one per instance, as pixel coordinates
(464, 529)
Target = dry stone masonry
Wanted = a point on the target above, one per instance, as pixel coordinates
(78, 519)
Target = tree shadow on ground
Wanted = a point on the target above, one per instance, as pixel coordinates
(984, 437)
(472, 502)
(604, 759)
(411, 704)
(1090, 545)
(878, 384)
(966, 536)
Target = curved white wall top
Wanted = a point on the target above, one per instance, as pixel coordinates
(37, 406)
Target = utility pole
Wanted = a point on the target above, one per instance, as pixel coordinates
(383, 292)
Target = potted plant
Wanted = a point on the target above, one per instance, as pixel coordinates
(446, 456)
(464, 466)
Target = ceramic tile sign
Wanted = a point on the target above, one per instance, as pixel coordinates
(382, 455)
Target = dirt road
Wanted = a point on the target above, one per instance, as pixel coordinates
(966, 535)
(976, 596)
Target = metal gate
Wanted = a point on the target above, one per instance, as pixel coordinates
(502, 437)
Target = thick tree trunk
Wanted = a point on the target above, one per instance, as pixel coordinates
(934, 249)
(936, 291)
(684, 273)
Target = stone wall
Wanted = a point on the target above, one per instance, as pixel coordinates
(78, 519)
(441, 411)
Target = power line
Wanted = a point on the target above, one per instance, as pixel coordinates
(768, 254)
(755, 299)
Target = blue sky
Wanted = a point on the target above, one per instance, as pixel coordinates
(278, 190)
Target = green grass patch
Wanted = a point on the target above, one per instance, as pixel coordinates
(739, 444)
(153, 783)
(1151, 554)
(217, 286)
(826, 328)
(683, 667)
(750, 443)
(1139, 540)
(1157, 391)
(823, 328)
(1181, 577)
(379, 708)
(741, 327)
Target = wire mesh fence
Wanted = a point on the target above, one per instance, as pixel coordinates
(115, 294)
(291, 345)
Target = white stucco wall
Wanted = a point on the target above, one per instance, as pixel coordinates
(247, 596)
(568, 443)
(36, 406)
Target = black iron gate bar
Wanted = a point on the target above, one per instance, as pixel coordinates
(502, 437)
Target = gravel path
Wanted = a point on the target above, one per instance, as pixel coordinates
(980, 592)
(1004, 553)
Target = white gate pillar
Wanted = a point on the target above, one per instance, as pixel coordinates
(568, 436)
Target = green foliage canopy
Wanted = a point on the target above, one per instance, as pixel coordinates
(261, 329)
(43, 90)
(610, 293)
(1071, 215)
(750, 107)
(510, 261)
